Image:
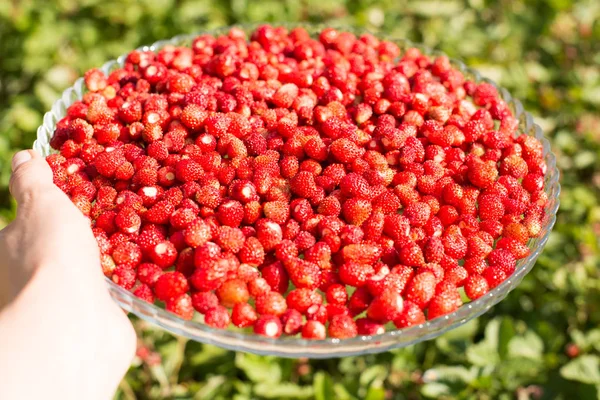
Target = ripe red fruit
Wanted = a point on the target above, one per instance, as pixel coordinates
(272, 303)
(356, 211)
(197, 233)
(411, 315)
(268, 325)
(476, 286)
(163, 254)
(421, 289)
(148, 273)
(232, 292)
(170, 285)
(368, 327)
(443, 303)
(302, 299)
(204, 301)
(217, 317)
(386, 307)
(127, 253)
(181, 305)
(145, 293)
(314, 330)
(124, 276)
(230, 213)
(342, 327)
(243, 315)
(269, 233)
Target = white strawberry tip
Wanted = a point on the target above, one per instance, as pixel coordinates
(150, 191)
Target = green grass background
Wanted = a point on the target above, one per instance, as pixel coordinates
(547, 53)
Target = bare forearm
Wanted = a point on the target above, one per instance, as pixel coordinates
(43, 346)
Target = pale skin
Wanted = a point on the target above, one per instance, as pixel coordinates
(61, 334)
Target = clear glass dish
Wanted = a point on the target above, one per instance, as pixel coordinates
(295, 347)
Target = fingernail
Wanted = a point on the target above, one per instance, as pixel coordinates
(20, 158)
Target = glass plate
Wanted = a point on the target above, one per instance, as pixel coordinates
(295, 347)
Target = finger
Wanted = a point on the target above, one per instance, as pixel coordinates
(31, 176)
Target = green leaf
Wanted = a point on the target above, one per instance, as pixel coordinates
(375, 393)
(342, 393)
(450, 374)
(529, 345)
(323, 386)
(585, 369)
(373, 373)
(434, 8)
(259, 369)
(483, 354)
(283, 390)
(211, 388)
(506, 333)
(434, 390)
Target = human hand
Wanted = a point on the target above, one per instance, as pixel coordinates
(61, 335)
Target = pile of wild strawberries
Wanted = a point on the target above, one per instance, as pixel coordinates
(321, 187)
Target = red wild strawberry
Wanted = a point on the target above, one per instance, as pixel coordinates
(417, 213)
(411, 254)
(252, 252)
(355, 274)
(163, 254)
(342, 327)
(127, 253)
(385, 307)
(271, 303)
(354, 185)
(160, 213)
(217, 317)
(197, 233)
(276, 276)
(243, 315)
(269, 233)
(421, 289)
(303, 274)
(303, 184)
(145, 293)
(516, 248)
(278, 211)
(411, 315)
(490, 207)
(188, 170)
(494, 276)
(361, 253)
(356, 211)
(345, 151)
(230, 213)
(204, 301)
(232, 292)
(502, 259)
(314, 330)
(127, 220)
(292, 322)
(230, 239)
(182, 306)
(476, 286)
(124, 276)
(268, 325)
(170, 285)
(455, 245)
(444, 303)
(482, 174)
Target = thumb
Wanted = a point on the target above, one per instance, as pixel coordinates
(31, 175)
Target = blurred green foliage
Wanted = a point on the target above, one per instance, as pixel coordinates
(547, 53)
